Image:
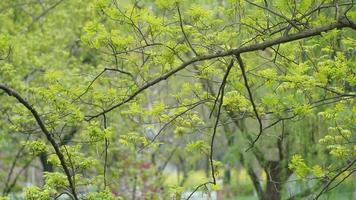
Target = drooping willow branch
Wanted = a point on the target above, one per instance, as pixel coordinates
(41, 124)
(342, 23)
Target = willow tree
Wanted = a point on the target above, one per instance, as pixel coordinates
(104, 93)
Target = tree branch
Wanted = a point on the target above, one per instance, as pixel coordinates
(243, 72)
(182, 29)
(97, 76)
(44, 13)
(222, 88)
(43, 128)
(325, 188)
(343, 23)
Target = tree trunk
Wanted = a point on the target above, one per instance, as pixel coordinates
(274, 179)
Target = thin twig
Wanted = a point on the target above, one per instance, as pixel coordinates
(97, 76)
(218, 95)
(170, 121)
(291, 22)
(197, 188)
(13, 165)
(223, 84)
(243, 72)
(106, 152)
(44, 13)
(259, 46)
(334, 178)
(182, 29)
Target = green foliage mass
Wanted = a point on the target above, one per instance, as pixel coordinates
(129, 91)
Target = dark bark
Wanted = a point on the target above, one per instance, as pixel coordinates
(46, 132)
(47, 167)
(274, 181)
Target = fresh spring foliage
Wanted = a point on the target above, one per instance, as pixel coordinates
(106, 99)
